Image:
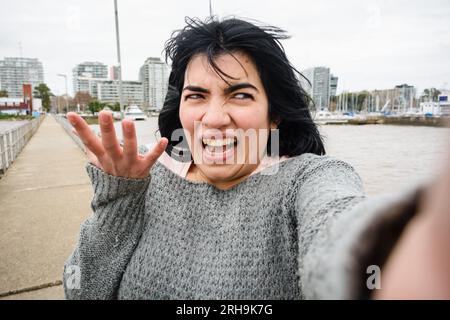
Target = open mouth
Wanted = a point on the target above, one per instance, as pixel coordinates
(219, 149)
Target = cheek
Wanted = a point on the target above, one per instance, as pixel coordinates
(251, 119)
(188, 116)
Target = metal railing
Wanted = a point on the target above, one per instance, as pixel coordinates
(14, 140)
(68, 128)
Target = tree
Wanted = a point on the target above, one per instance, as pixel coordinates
(431, 94)
(333, 103)
(82, 98)
(43, 92)
(116, 107)
(95, 106)
(3, 94)
(361, 98)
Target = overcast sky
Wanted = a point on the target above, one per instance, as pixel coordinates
(367, 44)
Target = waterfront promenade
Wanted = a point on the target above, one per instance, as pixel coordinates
(44, 197)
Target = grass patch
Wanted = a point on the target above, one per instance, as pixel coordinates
(11, 117)
(93, 120)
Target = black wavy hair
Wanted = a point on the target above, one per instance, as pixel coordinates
(288, 102)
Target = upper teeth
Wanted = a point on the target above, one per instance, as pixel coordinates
(218, 142)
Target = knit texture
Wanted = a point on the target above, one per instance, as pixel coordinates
(307, 231)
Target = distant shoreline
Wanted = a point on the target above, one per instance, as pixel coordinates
(406, 121)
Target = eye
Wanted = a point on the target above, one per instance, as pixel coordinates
(243, 96)
(194, 96)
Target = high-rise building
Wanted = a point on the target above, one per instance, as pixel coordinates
(333, 85)
(84, 74)
(114, 73)
(154, 76)
(319, 87)
(14, 72)
(108, 91)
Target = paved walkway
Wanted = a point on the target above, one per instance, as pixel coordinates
(44, 197)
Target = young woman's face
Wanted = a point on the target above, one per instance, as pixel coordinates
(226, 124)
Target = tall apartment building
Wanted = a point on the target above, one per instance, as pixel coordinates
(154, 75)
(86, 73)
(114, 73)
(333, 85)
(14, 72)
(108, 91)
(319, 88)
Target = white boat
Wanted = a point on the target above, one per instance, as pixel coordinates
(134, 113)
(326, 117)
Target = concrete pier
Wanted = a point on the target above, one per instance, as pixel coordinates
(44, 197)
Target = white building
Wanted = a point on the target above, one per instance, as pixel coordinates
(444, 102)
(319, 87)
(108, 91)
(430, 107)
(86, 73)
(154, 75)
(13, 106)
(14, 72)
(438, 108)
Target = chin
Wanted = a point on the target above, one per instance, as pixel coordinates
(220, 172)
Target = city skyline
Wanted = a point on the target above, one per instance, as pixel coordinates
(368, 45)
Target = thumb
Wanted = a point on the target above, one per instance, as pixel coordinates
(151, 157)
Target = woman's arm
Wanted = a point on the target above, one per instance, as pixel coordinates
(419, 265)
(108, 238)
(120, 177)
(344, 237)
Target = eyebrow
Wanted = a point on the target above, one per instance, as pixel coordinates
(228, 90)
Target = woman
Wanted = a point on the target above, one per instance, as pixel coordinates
(203, 214)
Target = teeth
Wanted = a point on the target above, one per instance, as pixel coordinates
(218, 142)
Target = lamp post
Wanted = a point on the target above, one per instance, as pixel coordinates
(65, 80)
(118, 59)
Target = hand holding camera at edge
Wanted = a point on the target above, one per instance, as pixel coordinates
(106, 152)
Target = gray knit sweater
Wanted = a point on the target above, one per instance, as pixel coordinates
(307, 231)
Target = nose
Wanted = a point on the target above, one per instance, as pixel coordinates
(216, 116)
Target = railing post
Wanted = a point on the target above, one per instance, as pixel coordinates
(8, 147)
(2, 154)
(16, 144)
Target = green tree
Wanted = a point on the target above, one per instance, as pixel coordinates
(43, 92)
(361, 98)
(3, 94)
(115, 107)
(95, 106)
(431, 93)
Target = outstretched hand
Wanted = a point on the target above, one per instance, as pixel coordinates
(419, 266)
(106, 152)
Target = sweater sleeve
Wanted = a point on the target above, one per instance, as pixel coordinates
(345, 237)
(107, 238)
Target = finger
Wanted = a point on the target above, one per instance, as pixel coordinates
(84, 132)
(129, 140)
(109, 138)
(93, 159)
(151, 157)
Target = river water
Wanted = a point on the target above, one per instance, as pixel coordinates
(387, 157)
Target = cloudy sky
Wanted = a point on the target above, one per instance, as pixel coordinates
(372, 44)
